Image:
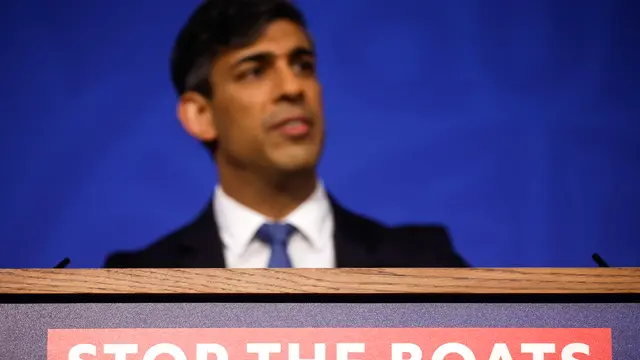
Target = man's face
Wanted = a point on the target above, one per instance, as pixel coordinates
(267, 104)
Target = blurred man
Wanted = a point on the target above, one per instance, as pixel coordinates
(245, 73)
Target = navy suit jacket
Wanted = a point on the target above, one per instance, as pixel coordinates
(360, 242)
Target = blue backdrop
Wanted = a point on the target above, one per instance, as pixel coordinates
(513, 122)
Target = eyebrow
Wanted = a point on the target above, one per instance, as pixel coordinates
(264, 56)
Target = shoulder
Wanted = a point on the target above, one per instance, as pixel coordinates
(161, 253)
(169, 250)
(422, 245)
(410, 245)
(404, 245)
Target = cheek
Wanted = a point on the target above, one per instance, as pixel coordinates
(314, 98)
(239, 122)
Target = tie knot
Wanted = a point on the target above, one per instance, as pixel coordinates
(275, 234)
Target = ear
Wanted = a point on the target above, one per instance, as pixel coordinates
(196, 116)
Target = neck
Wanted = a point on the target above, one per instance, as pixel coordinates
(274, 196)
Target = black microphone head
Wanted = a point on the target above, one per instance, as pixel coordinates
(599, 260)
(63, 264)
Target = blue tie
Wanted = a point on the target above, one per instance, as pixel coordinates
(277, 235)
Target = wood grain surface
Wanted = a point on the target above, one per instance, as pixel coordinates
(322, 281)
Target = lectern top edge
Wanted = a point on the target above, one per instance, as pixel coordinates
(322, 281)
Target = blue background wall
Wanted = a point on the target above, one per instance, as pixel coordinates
(514, 122)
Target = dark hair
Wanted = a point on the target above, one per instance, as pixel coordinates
(219, 25)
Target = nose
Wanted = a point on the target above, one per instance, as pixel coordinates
(290, 86)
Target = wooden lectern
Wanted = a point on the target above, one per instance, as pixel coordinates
(321, 314)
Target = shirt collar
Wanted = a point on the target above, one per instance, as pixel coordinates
(312, 217)
(238, 224)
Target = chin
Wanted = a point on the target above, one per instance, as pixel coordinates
(297, 166)
(294, 159)
(296, 162)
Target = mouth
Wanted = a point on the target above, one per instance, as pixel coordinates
(294, 127)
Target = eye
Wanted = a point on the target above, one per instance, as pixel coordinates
(305, 66)
(252, 73)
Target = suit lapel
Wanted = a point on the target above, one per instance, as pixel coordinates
(355, 237)
(199, 243)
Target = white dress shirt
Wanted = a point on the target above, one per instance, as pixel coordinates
(311, 246)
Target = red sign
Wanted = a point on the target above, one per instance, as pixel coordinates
(330, 344)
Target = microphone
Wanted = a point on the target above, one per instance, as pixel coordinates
(599, 260)
(63, 264)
